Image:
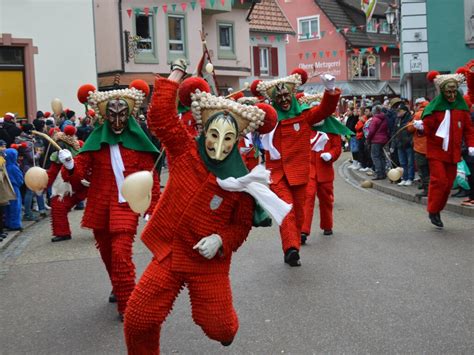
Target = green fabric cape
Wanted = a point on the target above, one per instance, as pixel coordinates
(332, 125)
(232, 166)
(295, 110)
(182, 108)
(132, 137)
(441, 104)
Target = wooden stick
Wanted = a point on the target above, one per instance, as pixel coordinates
(236, 92)
(48, 138)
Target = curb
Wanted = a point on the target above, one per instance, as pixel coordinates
(406, 193)
(12, 235)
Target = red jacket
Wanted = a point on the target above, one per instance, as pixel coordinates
(292, 138)
(103, 210)
(190, 123)
(78, 188)
(248, 158)
(193, 205)
(323, 170)
(461, 126)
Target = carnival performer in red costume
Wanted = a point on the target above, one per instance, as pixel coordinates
(115, 149)
(64, 196)
(446, 121)
(203, 216)
(288, 149)
(326, 147)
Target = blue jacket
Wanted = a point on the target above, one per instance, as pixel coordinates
(13, 170)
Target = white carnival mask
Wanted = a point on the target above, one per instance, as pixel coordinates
(221, 136)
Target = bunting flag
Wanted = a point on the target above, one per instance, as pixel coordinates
(334, 53)
(323, 33)
(384, 48)
(193, 5)
(383, 64)
(129, 12)
(265, 38)
(341, 52)
(146, 10)
(353, 29)
(241, 2)
(328, 54)
(184, 6)
(203, 3)
(314, 55)
(137, 11)
(223, 3)
(321, 54)
(356, 51)
(165, 8)
(345, 30)
(307, 54)
(232, 3)
(300, 55)
(173, 6)
(212, 3)
(271, 38)
(155, 9)
(377, 49)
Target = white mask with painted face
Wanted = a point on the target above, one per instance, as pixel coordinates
(221, 136)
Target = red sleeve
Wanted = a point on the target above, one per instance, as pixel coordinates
(82, 163)
(430, 124)
(53, 172)
(334, 147)
(468, 131)
(470, 83)
(163, 120)
(235, 233)
(325, 109)
(148, 163)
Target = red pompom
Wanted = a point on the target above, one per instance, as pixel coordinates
(81, 143)
(140, 85)
(299, 95)
(83, 92)
(91, 113)
(432, 75)
(70, 130)
(189, 86)
(461, 70)
(236, 96)
(253, 87)
(24, 145)
(270, 118)
(52, 131)
(303, 73)
(47, 114)
(14, 146)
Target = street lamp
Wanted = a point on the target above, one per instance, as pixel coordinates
(390, 15)
(392, 18)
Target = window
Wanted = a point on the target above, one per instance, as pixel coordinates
(384, 27)
(264, 62)
(11, 56)
(364, 66)
(226, 37)
(395, 65)
(372, 26)
(308, 28)
(176, 34)
(144, 29)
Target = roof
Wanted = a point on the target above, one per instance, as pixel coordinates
(267, 16)
(347, 14)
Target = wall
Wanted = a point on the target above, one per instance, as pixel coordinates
(328, 62)
(107, 35)
(446, 29)
(64, 36)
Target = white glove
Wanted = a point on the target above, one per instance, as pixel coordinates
(85, 183)
(65, 157)
(208, 246)
(329, 81)
(326, 156)
(470, 151)
(146, 217)
(418, 124)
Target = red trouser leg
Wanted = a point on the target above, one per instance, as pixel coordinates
(212, 309)
(116, 252)
(442, 176)
(148, 307)
(309, 206)
(290, 229)
(325, 192)
(59, 211)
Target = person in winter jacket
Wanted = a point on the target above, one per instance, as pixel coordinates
(378, 136)
(6, 189)
(404, 145)
(13, 210)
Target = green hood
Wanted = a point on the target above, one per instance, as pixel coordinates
(332, 125)
(132, 137)
(232, 166)
(441, 104)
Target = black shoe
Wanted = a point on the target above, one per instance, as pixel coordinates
(60, 238)
(423, 193)
(304, 237)
(435, 218)
(461, 193)
(292, 257)
(227, 343)
(327, 232)
(112, 298)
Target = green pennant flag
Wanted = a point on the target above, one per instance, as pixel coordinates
(173, 6)
(278, 37)
(363, 50)
(252, 38)
(307, 54)
(323, 33)
(137, 11)
(307, 35)
(265, 38)
(155, 9)
(353, 29)
(232, 2)
(377, 49)
(321, 54)
(212, 2)
(193, 4)
(334, 53)
(338, 30)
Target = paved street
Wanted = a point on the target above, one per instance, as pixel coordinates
(386, 282)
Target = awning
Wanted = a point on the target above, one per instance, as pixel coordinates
(358, 88)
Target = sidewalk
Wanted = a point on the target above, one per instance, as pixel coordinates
(407, 192)
(13, 234)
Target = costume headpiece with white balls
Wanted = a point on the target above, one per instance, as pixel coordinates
(269, 89)
(440, 80)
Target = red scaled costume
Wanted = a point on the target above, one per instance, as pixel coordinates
(321, 183)
(290, 173)
(192, 206)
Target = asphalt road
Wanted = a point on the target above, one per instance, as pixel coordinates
(386, 282)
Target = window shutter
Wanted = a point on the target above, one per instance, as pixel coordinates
(274, 61)
(256, 61)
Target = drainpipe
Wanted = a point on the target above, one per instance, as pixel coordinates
(120, 35)
(254, 2)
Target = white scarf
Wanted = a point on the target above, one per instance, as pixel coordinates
(443, 130)
(256, 184)
(118, 168)
(267, 144)
(319, 141)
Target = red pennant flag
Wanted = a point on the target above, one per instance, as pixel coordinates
(328, 54)
(384, 48)
(361, 26)
(331, 32)
(341, 52)
(356, 51)
(241, 1)
(370, 49)
(165, 8)
(398, 45)
(383, 64)
(377, 25)
(258, 37)
(346, 30)
(184, 6)
(271, 38)
(203, 3)
(129, 12)
(300, 55)
(314, 54)
(147, 11)
(223, 2)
